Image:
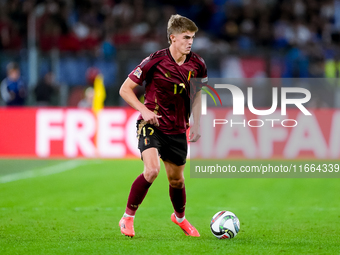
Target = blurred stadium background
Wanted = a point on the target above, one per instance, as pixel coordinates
(238, 38)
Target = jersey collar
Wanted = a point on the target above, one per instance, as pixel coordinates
(170, 56)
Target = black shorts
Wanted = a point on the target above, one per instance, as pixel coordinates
(172, 148)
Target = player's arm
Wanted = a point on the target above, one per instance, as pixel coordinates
(126, 92)
(196, 113)
(7, 95)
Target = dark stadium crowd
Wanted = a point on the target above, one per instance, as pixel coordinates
(107, 25)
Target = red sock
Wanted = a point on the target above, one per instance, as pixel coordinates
(138, 191)
(178, 199)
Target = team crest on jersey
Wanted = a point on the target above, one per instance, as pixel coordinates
(138, 72)
(191, 74)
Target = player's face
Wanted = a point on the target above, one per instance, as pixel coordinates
(183, 42)
(14, 74)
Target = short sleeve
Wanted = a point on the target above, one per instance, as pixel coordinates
(204, 73)
(202, 77)
(138, 75)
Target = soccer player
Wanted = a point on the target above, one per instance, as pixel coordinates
(164, 118)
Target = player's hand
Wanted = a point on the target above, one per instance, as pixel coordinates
(150, 117)
(194, 134)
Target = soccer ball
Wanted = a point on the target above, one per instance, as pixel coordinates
(224, 225)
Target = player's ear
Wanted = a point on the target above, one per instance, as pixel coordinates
(172, 38)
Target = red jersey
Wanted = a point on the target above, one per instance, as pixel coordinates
(167, 88)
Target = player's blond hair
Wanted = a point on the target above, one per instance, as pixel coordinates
(178, 24)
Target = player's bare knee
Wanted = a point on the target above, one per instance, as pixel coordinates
(151, 172)
(177, 183)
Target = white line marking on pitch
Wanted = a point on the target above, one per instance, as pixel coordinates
(54, 169)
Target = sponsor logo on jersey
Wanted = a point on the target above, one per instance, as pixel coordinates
(167, 74)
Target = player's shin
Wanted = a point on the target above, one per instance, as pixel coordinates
(178, 199)
(138, 191)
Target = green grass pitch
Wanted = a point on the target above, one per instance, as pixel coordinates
(77, 212)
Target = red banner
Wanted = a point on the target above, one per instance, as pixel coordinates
(35, 132)
(65, 132)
